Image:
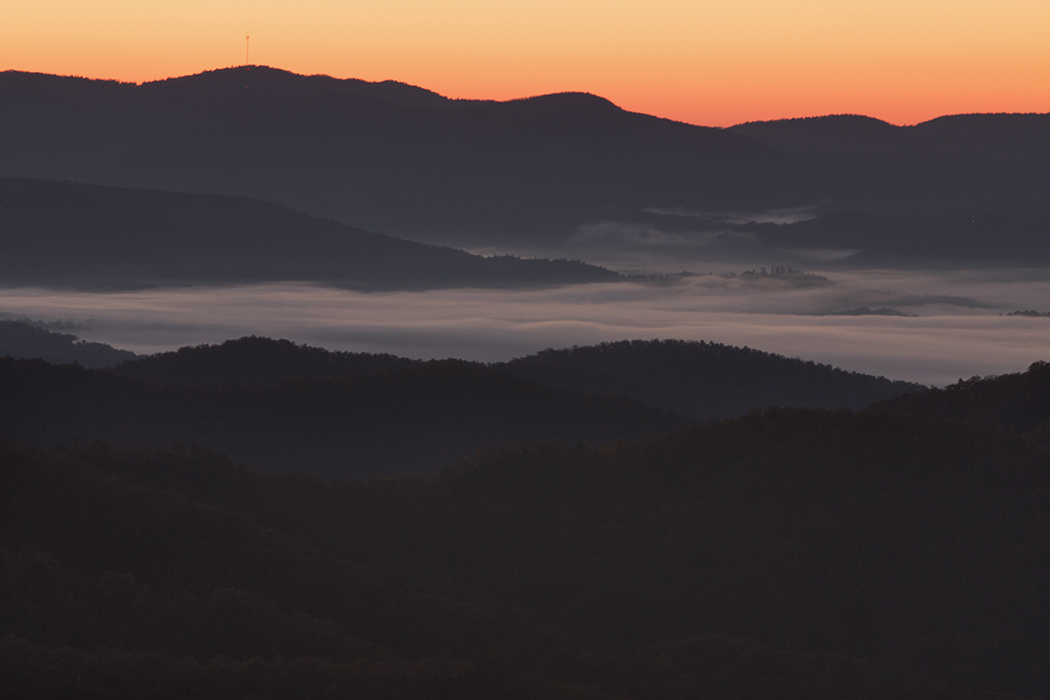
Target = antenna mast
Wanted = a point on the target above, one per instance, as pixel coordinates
(246, 37)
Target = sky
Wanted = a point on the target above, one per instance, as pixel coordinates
(708, 62)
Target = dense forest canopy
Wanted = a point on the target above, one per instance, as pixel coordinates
(794, 553)
(403, 420)
(24, 339)
(1015, 404)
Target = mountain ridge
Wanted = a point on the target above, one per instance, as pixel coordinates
(91, 236)
(518, 173)
(987, 135)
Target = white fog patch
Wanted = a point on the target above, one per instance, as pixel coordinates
(632, 235)
(787, 215)
(961, 327)
(623, 245)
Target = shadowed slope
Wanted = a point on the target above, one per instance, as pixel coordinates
(404, 421)
(1021, 138)
(84, 236)
(162, 589)
(23, 340)
(878, 549)
(253, 360)
(1014, 404)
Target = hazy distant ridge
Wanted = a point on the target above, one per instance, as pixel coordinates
(73, 235)
(404, 160)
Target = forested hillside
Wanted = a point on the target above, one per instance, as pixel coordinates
(21, 339)
(80, 236)
(201, 530)
(703, 380)
(1014, 404)
(794, 553)
(254, 360)
(400, 421)
(699, 379)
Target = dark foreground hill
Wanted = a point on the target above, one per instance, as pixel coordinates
(115, 590)
(399, 421)
(1014, 404)
(72, 235)
(794, 553)
(254, 361)
(703, 380)
(697, 379)
(21, 339)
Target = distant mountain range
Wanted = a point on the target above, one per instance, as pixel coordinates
(1008, 138)
(409, 162)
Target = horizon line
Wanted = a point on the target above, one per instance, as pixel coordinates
(514, 99)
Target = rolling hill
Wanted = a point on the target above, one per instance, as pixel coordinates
(697, 379)
(84, 236)
(703, 380)
(25, 340)
(1015, 404)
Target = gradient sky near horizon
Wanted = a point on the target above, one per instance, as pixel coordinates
(710, 62)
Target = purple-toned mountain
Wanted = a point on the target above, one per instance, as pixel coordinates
(1017, 138)
(401, 159)
(89, 237)
(381, 155)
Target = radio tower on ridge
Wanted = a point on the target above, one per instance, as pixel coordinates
(246, 38)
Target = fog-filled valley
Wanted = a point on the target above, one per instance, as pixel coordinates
(928, 327)
(329, 388)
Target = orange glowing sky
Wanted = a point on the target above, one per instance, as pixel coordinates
(712, 62)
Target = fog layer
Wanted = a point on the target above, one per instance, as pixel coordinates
(953, 324)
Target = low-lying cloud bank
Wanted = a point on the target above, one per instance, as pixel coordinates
(960, 328)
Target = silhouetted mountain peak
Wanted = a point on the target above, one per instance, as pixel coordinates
(275, 82)
(828, 123)
(836, 133)
(989, 121)
(1003, 137)
(568, 101)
